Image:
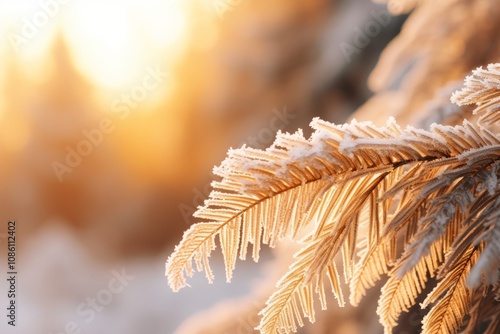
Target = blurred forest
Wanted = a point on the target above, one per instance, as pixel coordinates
(233, 73)
(231, 78)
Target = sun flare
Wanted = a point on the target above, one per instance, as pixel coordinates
(114, 46)
(111, 41)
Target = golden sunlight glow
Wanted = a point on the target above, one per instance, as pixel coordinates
(112, 40)
(114, 45)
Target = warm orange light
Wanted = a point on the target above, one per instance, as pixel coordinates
(111, 41)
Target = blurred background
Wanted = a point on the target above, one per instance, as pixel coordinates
(112, 115)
